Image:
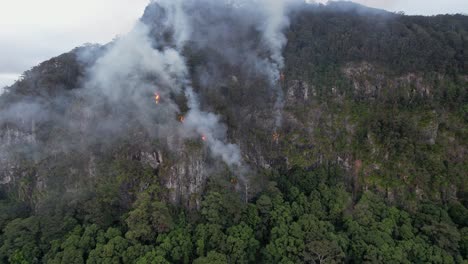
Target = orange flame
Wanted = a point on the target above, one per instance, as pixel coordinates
(157, 98)
(181, 119)
(276, 136)
(203, 138)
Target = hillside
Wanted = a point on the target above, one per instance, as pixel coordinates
(334, 134)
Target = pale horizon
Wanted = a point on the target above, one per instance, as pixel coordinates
(34, 31)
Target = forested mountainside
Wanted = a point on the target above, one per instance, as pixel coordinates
(363, 160)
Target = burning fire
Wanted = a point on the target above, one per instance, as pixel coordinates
(203, 138)
(276, 136)
(182, 119)
(157, 98)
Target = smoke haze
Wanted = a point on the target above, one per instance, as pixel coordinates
(116, 95)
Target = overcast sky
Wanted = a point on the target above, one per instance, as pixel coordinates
(32, 31)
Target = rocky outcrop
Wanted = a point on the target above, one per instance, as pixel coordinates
(298, 92)
(370, 81)
(152, 159)
(12, 138)
(186, 178)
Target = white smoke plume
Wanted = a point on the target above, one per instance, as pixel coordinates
(276, 21)
(226, 26)
(131, 58)
(147, 60)
(133, 68)
(204, 124)
(177, 21)
(273, 35)
(123, 77)
(208, 126)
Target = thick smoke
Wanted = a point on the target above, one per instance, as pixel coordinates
(227, 26)
(121, 82)
(124, 80)
(132, 69)
(209, 127)
(275, 22)
(203, 124)
(273, 29)
(177, 19)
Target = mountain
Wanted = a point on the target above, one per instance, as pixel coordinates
(348, 6)
(221, 132)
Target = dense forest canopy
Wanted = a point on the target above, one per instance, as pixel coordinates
(369, 166)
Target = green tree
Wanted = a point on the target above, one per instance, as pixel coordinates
(241, 245)
(459, 214)
(148, 218)
(152, 257)
(212, 258)
(111, 250)
(322, 252)
(176, 245)
(208, 237)
(222, 209)
(464, 242)
(18, 258)
(20, 239)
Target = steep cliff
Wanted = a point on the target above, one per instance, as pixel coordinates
(359, 92)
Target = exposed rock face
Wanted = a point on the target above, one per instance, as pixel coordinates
(10, 139)
(316, 133)
(7, 173)
(186, 179)
(371, 82)
(153, 160)
(298, 91)
(365, 79)
(11, 135)
(417, 85)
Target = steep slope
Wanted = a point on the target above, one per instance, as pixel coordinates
(381, 95)
(354, 144)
